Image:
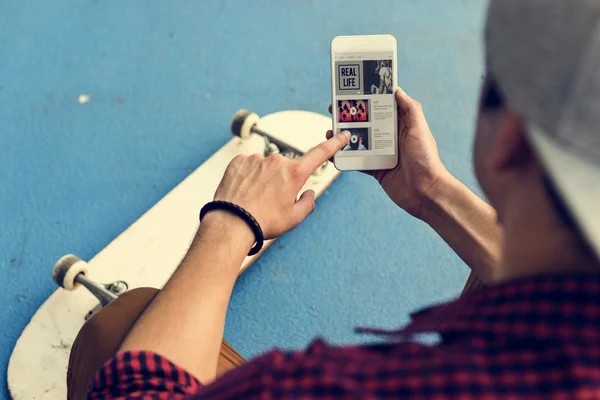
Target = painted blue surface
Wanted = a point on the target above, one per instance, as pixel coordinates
(164, 80)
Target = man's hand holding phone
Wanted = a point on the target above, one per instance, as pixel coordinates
(420, 171)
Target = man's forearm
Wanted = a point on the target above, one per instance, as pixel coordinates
(185, 321)
(467, 223)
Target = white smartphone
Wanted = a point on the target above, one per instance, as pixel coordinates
(363, 78)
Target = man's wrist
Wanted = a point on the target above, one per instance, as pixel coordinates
(437, 198)
(224, 225)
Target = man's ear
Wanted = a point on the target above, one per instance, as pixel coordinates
(511, 148)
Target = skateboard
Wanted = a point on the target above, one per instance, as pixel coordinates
(147, 253)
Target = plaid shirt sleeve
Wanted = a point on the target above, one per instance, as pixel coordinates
(146, 375)
(410, 370)
(142, 375)
(276, 374)
(534, 339)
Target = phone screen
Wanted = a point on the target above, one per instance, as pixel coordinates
(364, 102)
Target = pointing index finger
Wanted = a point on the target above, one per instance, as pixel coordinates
(324, 151)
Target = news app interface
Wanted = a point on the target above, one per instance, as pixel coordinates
(364, 88)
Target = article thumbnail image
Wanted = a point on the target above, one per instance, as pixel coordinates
(359, 139)
(353, 110)
(378, 77)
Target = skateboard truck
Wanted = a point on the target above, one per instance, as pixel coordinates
(70, 271)
(243, 125)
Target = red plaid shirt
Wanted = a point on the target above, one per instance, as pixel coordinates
(535, 338)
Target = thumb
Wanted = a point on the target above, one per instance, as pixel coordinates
(403, 99)
(409, 108)
(304, 206)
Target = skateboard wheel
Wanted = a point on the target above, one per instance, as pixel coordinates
(354, 139)
(242, 123)
(66, 269)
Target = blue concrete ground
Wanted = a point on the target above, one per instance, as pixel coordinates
(164, 80)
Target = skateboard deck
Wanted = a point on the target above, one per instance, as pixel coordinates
(146, 253)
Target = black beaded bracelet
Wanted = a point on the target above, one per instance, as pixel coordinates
(243, 214)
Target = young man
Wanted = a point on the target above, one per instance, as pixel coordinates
(533, 332)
